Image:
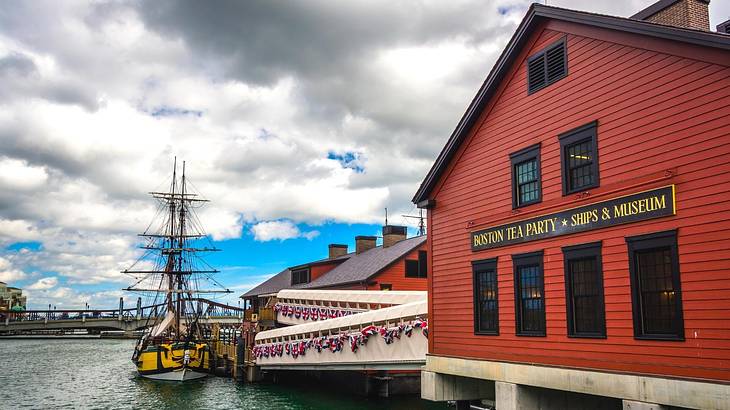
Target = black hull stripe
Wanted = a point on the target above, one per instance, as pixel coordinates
(170, 370)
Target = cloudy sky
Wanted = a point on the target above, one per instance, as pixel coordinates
(300, 121)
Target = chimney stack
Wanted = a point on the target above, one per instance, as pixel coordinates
(336, 250)
(393, 234)
(364, 243)
(694, 14)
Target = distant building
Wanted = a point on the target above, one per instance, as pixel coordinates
(580, 219)
(11, 297)
(398, 264)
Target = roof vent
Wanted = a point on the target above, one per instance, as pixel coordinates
(547, 67)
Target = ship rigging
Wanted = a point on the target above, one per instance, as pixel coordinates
(173, 346)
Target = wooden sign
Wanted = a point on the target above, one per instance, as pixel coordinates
(641, 206)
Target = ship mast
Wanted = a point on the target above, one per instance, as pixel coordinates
(171, 256)
(176, 261)
(181, 245)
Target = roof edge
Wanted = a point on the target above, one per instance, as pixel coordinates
(320, 262)
(535, 13)
(466, 121)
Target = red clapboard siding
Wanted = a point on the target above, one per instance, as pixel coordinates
(395, 275)
(319, 270)
(658, 110)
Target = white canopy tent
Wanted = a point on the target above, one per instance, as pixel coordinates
(393, 297)
(402, 353)
(392, 315)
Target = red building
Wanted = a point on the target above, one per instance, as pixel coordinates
(398, 264)
(579, 219)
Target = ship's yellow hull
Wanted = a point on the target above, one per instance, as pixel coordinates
(168, 361)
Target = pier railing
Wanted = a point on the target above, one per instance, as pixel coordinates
(205, 309)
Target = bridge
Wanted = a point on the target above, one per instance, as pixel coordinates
(127, 320)
(362, 330)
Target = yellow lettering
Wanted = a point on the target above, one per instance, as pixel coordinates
(584, 218)
(540, 227)
(511, 232)
(487, 238)
(552, 223)
(639, 206)
(660, 203)
(619, 210)
(605, 215)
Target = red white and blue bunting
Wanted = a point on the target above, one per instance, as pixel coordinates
(335, 343)
(311, 313)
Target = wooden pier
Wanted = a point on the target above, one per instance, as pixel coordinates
(231, 351)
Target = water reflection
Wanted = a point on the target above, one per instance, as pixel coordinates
(98, 374)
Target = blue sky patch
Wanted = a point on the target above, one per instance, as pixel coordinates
(165, 111)
(348, 159)
(33, 246)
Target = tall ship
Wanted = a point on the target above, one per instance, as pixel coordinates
(169, 275)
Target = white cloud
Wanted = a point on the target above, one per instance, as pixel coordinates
(94, 110)
(17, 175)
(279, 230)
(9, 273)
(65, 297)
(18, 230)
(44, 283)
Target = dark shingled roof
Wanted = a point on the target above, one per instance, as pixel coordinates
(272, 285)
(536, 14)
(282, 280)
(356, 268)
(361, 267)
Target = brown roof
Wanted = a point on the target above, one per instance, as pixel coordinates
(356, 268)
(282, 280)
(361, 267)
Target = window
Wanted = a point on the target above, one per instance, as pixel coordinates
(411, 268)
(547, 66)
(300, 276)
(655, 286)
(386, 286)
(579, 156)
(422, 264)
(486, 312)
(417, 268)
(526, 188)
(529, 294)
(584, 290)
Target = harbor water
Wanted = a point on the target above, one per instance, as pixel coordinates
(98, 374)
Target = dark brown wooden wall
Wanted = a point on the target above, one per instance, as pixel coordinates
(663, 112)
